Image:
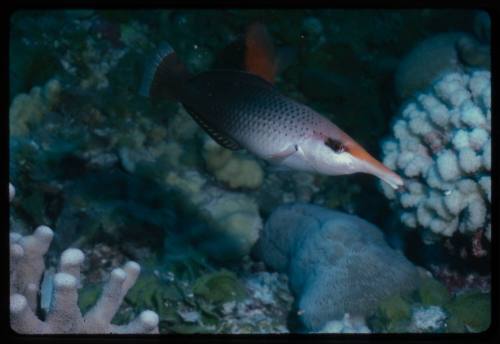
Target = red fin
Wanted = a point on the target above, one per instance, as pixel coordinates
(260, 57)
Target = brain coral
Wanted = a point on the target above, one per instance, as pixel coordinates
(336, 263)
(442, 144)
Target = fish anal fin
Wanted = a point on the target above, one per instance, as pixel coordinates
(222, 139)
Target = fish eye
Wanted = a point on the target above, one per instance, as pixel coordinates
(335, 145)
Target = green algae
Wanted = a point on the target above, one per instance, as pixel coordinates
(432, 292)
(470, 311)
(392, 315)
(219, 287)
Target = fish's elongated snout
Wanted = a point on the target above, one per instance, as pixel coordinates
(372, 166)
(383, 172)
(390, 178)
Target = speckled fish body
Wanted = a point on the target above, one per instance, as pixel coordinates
(244, 110)
(251, 112)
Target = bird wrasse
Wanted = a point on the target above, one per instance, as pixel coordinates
(242, 109)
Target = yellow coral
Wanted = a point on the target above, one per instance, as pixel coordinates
(231, 169)
(233, 216)
(28, 109)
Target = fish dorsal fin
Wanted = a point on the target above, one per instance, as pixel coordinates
(260, 56)
(224, 140)
(253, 52)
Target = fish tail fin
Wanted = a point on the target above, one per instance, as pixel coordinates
(260, 55)
(165, 75)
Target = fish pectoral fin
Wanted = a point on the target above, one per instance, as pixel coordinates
(224, 140)
(278, 157)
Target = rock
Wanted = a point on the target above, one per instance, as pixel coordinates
(337, 263)
(427, 61)
(219, 287)
(482, 26)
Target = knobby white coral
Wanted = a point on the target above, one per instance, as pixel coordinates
(26, 269)
(442, 144)
(427, 319)
(348, 324)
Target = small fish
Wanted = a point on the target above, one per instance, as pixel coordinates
(242, 109)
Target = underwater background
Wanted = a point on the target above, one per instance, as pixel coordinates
(225, 243)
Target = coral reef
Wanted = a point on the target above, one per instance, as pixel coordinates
(27, 110)
(222, 301)
(233, 218)
(264, 310)
(336, 263)
(59, 292)
(231, 169)
(63, 314)
(442, 146)
(103, 166)
(426, 62)
(456, 282)
(433, 308)
(94, 61)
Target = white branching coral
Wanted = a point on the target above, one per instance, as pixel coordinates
(26, 269)
(442, 145)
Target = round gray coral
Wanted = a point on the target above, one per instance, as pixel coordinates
(442, 144)
(337, 263)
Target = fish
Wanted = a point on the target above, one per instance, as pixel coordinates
(243, 109)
